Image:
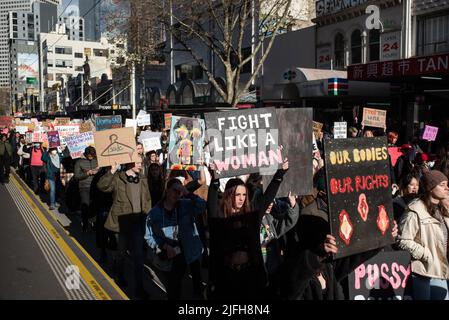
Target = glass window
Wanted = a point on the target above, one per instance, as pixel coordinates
(78, 55)
(339, 51)
(374, 45)
(356, 47)
(433, 34)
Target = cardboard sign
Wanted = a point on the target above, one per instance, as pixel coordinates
(66, 131)
(39, 137)
(359, 193)
(148, 135)
(395, 153)
(79, 142)
(186, 144)
(385, 276)
(244, 141)
(167, 120)
(143, 120)
(62, 121)
(5, 131)
(295, 137)
(108, 122)
(340, 130)
(21, 129)
(87, 126)
(53, 139)
(317, 127)
(430, 133)
(374, 118)
(6, 121)
(115, 145)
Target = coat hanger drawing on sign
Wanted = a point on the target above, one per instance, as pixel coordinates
(116, 148)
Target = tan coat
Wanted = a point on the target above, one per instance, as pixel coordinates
(421, 235)
(117, 184)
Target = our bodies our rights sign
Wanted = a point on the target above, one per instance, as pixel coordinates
(244, 141)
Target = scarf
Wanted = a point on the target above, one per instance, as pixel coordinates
(55, 160)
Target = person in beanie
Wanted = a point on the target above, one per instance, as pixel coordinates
(423, 231)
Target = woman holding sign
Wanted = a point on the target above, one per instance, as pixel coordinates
(52, 159)
(424, 232)
(236, 262)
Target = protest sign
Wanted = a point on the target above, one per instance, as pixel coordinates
(108, 122)
(430, 133)
(358, 189)
(6, 121)
(39, 137)
(22, 129)
(186, 144)
(66, 131)
(143, 120)
(29, 137)
(87, 126)
(115, 145)
(148, 135)
(296, 137)
(167, 120)
(62, 121)
(244, 141)
(374, 117)
(5, 131)
(77, 143)
(386, 276)
(53, 139)
(317, 127)
(340, 130)
(130, 123)
(151, 144)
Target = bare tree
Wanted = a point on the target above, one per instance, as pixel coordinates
(225, 27)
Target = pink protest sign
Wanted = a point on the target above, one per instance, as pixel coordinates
(430, 133)
(395, 153)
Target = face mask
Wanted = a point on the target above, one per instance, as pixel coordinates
(37, 146)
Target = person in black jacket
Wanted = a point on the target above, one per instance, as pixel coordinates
(236, 269)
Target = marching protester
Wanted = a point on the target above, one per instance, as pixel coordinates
(85, 170)
(52, 158)
(409, 190)
(37, 167)
(156, 181)
(171, 231)
(131, 202)
(24, 160)
(237, 267)
(423, 232)
(6, 152)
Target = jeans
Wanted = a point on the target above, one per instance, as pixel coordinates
(131, 236)
(425, 288)
(52, 192)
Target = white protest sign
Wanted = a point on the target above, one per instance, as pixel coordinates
(78, 142)
(22, 129)
(130, 123)
(144, 120)
(340, 130)
(66, 131)
(151, 144)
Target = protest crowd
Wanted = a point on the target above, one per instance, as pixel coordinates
(278, 224)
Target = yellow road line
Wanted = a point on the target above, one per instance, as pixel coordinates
(87, 276)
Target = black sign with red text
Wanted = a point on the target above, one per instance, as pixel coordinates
(359, 193)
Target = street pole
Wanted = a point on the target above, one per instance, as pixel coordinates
(82, 89)
(133, 89)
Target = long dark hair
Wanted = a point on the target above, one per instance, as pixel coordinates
(434, 208)
(228, 202)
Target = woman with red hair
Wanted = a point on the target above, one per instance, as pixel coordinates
(392, 137)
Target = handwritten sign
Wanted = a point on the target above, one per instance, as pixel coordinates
(430, 133)
(108, 122)
(383, 277)
(87, 126)
(62, 121)
(374, 117)
(143, 120)
(66, 131)
(53, 139)
(152, 144)
(358, 189)
(130, 123)
(39, 137)
(395, 153)
(115, 145)
(22, 129)
(79, 142)
(340, 130)
(167, 120)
